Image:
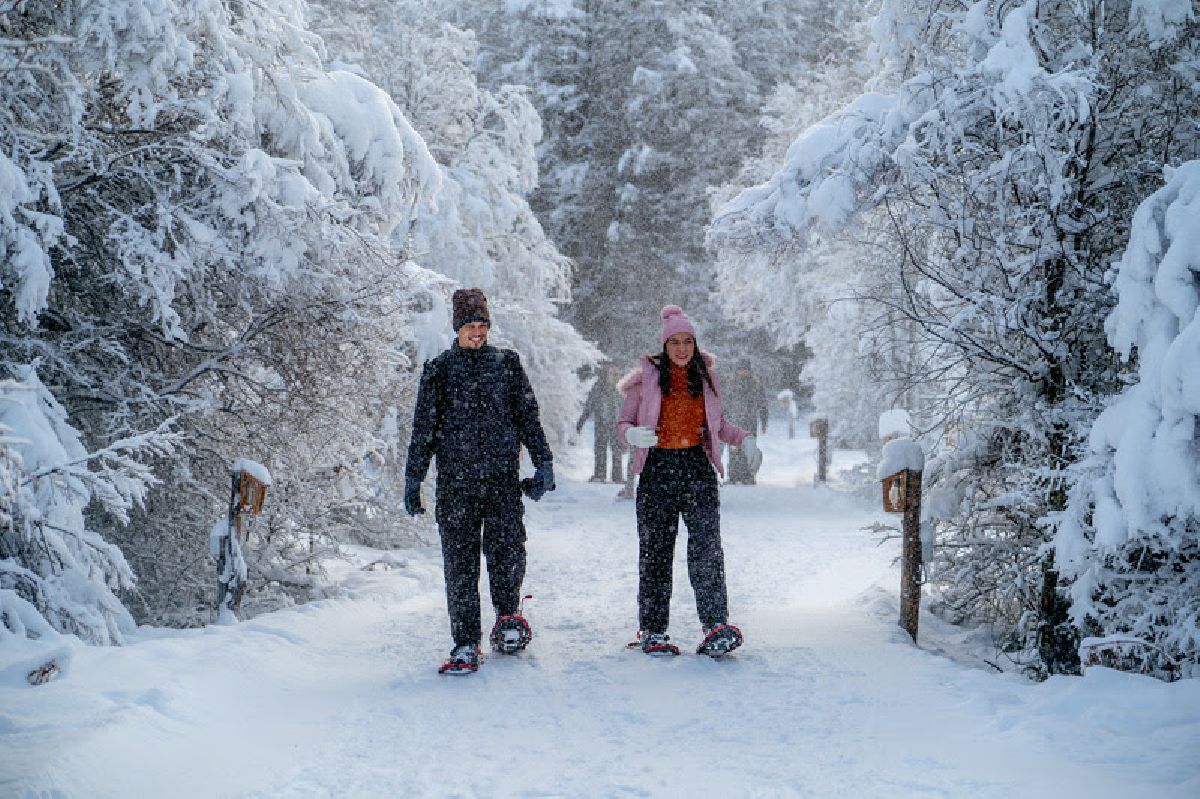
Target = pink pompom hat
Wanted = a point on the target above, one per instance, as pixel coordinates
(674, 320)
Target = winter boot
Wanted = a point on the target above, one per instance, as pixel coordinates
(463, 659)
(510, 634)
(657, 644)
(719, 640)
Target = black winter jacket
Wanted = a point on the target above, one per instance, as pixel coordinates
(475, 408)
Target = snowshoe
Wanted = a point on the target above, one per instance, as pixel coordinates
(658, 644)
(463, 660)
(510, 634)
(719, 640)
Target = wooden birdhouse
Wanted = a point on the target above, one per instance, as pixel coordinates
(893, 492)
(251, 493)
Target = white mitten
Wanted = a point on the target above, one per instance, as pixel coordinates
(753, 453)
(641, 437)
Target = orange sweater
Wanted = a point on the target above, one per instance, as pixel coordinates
(681, 422)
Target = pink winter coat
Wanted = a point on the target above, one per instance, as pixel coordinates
(643, 403)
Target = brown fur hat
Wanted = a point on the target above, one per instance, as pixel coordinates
(469, 306)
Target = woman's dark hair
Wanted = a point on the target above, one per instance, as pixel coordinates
(697, 373)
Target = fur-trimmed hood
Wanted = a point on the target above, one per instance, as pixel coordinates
(647, 370)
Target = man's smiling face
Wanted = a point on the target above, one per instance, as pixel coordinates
(473, 335)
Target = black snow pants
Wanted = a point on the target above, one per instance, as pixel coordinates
(475, 515)
(674, 483)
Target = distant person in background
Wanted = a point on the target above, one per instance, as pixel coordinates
(746, 406)
(674, 417)
(787, 402)
(601, 406)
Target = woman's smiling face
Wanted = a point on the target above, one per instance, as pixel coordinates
(680, 348)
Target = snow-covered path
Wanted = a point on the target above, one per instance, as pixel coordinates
(827, 698)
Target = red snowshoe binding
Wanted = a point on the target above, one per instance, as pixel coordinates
(719, 640)
(510, 634)
(463, 660)
(658, 644)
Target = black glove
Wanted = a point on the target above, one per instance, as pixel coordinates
(412, 497)
(543, 481)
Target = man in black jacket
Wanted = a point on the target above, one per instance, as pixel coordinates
(475, 408)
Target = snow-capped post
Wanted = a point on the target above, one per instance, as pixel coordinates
(819, 429)
(248, 492)
(787, 403)
(900, 470)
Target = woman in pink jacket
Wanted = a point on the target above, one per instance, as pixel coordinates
(673, 417)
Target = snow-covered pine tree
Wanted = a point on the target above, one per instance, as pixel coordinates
(670, 102)
(49, 556)
(1003, 151)
(205, 232)
(544, 46)
(481, 231)
(645, 106)
(1129, 541)
(811, 298)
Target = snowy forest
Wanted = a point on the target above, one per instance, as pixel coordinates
(231, 230)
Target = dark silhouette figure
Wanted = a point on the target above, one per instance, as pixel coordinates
(601, 406)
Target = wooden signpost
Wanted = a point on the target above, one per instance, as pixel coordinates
(819, 429)
(246, 497)
(902, 494)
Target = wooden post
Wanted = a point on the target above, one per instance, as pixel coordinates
(900, 467)
(230, 563)
(819, 429)
(910, 557)
(246, 497)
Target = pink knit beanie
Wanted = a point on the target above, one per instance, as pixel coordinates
(674, 320)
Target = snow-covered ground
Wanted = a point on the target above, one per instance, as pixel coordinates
(828, 697)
